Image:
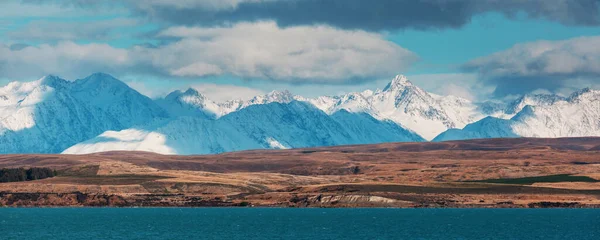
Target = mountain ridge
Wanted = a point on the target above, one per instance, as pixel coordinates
(53, 114)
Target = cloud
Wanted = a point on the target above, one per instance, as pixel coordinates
(315, 54)
(351, 14)
(547, 65)
(74, 31)
(295, 54)
(366, 14)
(66, 58)
(465, 85)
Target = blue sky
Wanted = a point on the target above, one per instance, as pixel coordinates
(474, 49)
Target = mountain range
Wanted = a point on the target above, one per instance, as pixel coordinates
(101, 113)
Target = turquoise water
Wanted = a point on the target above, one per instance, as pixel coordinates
(277, 223)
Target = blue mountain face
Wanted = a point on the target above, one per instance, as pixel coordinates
(101, 113)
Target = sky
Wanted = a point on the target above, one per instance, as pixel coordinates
(230, 49)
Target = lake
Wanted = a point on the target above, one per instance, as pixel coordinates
(287, 223)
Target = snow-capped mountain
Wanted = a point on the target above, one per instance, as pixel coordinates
(101, 113)
(51, 114)
(287, 125)
(189, 103)
(193, 103)
(509, 109)
(575, 116)
(407, 105)
(271, 97)
(400, 101)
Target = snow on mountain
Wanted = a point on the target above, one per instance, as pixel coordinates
(575, 116)
(400, 101)
(408, 105)
(274, 125)
(51, 114)
(325, 103)
(100, 113)
(532, 100)
(271, 97)
(193, 103)
(189, 103)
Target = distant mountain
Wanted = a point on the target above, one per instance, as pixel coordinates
(408, 105)
(101, 113)
(274, 125)
(189, 103)
(551, 116)
(400, 101)
(193, 103)
(51, 114)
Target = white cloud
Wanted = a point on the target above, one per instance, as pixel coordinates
(550, 65)
(66, 59)
(575, 56)
(264, 50)
(463, 85)
(198, 69)
(247, 50)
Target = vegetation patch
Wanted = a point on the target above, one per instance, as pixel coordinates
(81, 170)
(22, 174)
(540, 179)
(127, 179)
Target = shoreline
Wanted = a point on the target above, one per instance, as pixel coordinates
(83, 200)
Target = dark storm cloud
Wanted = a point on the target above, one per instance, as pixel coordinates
(347, 14)
(351, 14)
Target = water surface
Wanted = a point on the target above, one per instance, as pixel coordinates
(285, 223)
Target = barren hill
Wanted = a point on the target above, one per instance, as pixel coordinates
(517, 172)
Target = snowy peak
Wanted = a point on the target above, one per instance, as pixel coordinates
(194, 92)
(193, 103)
(189, 103)
(190, 93)
(532, 100)
(407, 105)
(53, 81)
(100, 81)
(541, 116)
(398, 83)
(51, 114)
(406, 95)
(584, 95)
(274, 96)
